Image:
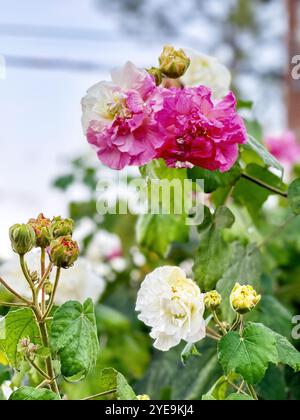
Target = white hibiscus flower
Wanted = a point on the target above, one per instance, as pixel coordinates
(208, 71)
(173, 306)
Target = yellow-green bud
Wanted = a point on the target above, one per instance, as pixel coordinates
(41, 226)
(48, 287)
(157, 74)
(212, 300)
(244, 298)
(61, 227)
(173, 63)
(143, 397)
(63, 252)
(22, 238)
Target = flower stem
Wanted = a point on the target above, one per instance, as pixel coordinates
(14, 305)
(252, 392)
(50, 305)
(36, 367)
(101, 394)
(218, 322)
(43, 269)
(13, 292)
(262, 184)
(26, 273)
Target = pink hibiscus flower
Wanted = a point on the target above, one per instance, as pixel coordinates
(285, 148)
(118, 118)
(198, 131)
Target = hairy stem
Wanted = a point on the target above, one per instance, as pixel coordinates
(218, 322)
(36, 367)
(51, 302)
(252, 392)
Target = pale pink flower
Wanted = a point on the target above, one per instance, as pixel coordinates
(118, 118)
(198, 131)
(285, 148)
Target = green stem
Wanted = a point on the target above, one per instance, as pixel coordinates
(262, 184)
(14, 305)
(13, 292)
(36, 367)
(252, 392)
(45, 277)
(101, 394)
(51, 303)
(26, 273)
(49, 363)
(241, 325)
(218, 322)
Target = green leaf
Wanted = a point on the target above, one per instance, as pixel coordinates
(212, 257)
(250, 354)
(239, 397)
(157, 232)
(4, 374)
(111, 379)
(287, 354)
(273, 387)
(245, 267)
(215, 179)
(74, 338)
(294, 196)
(64, 182)
(17, 325)
(32, 394)
(220, 388)
(263, 153)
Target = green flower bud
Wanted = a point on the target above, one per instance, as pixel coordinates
(173, 63)
(22, 238)
(48, 287)
(63, 252)
(41, 226)
(157, 74)
(244, 298)
(61, 227)
(212, 300)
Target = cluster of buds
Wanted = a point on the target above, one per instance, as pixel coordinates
(244, 299)
(27, 348)
(212, 300)
(54, 235)
(172, 64)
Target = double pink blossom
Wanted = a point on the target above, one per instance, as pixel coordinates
(118, 118)
(285, 148)
(198, 131)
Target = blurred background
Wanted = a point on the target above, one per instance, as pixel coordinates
(54, 50)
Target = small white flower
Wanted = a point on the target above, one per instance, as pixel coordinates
(173, 306)
(207, 71)
(79, 282)
(104, 246)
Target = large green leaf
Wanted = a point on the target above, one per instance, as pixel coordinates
(239, 397)
(157, 232)
(33, 394)
(215, 179)
(294, 196)
(74, 337)
(213, 255)
(287, 354)
(245, 267)
(110, 379)
(17, 325)
(250, 354)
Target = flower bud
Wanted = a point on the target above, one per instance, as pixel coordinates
(212, 300)
(143, 397)
(41, 226)
(61, 227)
(22, 238)
(173, 63)
(244, 298)
(63, 252)
(48, 287)
(157, 74)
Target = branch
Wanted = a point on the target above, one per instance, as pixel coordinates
(264, 185)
